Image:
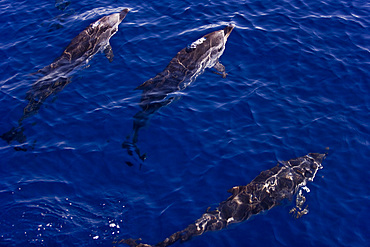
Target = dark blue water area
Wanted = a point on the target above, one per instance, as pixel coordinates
(298, 82)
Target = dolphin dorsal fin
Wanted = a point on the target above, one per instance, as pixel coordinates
(144, 85)
(284, 163)
(234, 190)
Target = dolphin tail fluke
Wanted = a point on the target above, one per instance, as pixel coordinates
(15, 134)
(132, 148)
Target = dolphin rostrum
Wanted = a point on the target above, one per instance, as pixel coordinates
(182, 70)
(58, 74)
(266, 191)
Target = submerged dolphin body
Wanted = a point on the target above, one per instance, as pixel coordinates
(266, 191)
(182, 70)
(58, 74)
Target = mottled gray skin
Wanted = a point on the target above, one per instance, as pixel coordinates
(266, 191)
(182, 70)
(58, 74)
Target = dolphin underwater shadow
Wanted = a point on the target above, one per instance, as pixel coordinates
(266, 191)
(182, 70)
(57, 75)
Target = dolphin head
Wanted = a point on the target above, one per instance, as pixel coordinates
(123, 14)
(219, 38)
(227, 30)
(308, 165)
(210, 47)
(108, 25)
(212, 41)
(115, 19)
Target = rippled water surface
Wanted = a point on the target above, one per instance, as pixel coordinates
(298, 82)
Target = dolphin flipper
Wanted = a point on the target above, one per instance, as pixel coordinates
(221, 69)
(109, 53)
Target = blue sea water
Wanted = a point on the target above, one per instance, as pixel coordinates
(298, 82)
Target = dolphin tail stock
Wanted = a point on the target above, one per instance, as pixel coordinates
(168, 241)
(132, 242)
(210, 221)
(40, 91)
(16, 133)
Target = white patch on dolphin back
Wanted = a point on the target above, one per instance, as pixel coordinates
(197, 42)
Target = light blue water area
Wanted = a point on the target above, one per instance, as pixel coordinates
(298, 82)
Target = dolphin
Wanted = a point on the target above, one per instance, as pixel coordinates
(266, 191)
(182, 70)
(58, 74)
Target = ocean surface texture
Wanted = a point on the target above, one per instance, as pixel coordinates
(298, 82)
